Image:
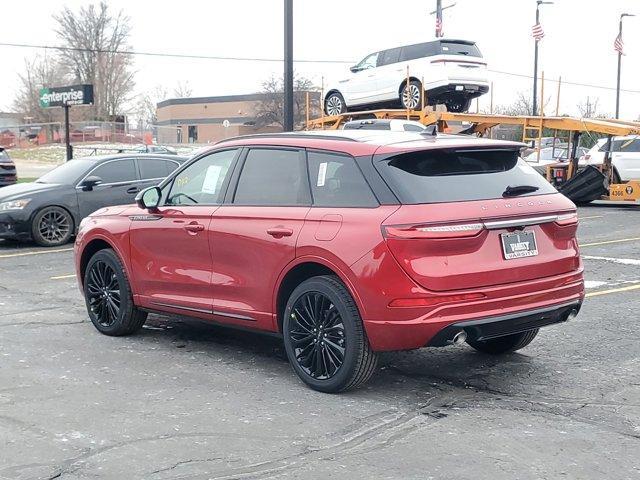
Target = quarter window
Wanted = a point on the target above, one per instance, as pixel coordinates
(336, 181)
(202, 181)
(116, 171)
(273, 177)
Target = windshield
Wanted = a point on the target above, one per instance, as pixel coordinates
(68, 173)
(433, 176)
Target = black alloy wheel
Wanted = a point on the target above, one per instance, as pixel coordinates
(317, 335)
(108, 296)
(324, 336)
(52, 226)
(103, 293)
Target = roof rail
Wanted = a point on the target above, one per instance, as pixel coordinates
(289, 135)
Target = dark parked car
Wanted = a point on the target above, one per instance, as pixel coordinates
(156, 149)
(50, 209)
(8, 174)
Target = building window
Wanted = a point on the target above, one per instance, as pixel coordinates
(193, 133)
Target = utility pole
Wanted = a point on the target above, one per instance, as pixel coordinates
(288, 65)
(534, 106)
(438, 13)
(619, 48)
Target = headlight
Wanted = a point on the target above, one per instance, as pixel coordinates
(14, 204)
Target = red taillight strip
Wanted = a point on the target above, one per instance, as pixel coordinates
(435, 300)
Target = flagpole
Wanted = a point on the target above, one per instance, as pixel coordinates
(620, 50)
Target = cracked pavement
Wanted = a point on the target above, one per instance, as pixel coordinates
(187, 400)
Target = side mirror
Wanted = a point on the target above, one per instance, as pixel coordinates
(354, 69)
(90, 182)
(149, 198)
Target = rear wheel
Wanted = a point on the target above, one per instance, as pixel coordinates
(52, 226)
(507, 344)
(324, 337)
(411, 95)
(334, 104)
(108, 296)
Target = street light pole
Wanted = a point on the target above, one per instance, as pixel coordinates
(534, 106)
(620, 62)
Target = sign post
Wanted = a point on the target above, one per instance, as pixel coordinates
(65, 97)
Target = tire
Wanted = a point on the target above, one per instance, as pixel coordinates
(458, 105)
(507, 344)
(413, 99)
(111, 313)
(334, 104)
(52, 226)
(326, 304)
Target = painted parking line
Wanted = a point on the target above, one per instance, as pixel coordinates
(613, 290)
(63, 277)
(38, 252)
(620, 261)
(608, 242)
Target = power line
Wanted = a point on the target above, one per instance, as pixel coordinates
(263, 59)
(167, 55)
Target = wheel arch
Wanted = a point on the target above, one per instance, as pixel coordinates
(300, 270)
(93, 246)
(404, 82)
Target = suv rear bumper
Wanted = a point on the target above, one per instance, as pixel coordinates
(510, 305)
(492, 327)
(452, 89)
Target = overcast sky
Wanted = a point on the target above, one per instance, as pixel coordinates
(578, 43)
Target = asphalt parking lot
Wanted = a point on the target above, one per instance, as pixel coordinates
(189, 400)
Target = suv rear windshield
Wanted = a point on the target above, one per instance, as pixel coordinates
(455, 175)
(460, 48)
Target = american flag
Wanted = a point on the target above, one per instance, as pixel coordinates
(537, 32)
(618, 44)
(438, 26)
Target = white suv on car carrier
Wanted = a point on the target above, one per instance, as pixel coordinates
(453, 71)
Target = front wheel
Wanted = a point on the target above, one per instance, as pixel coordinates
(506, 344)
(52, 226)
(324, 337)
(108, 296)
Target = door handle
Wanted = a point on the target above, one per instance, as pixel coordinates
(194, 227)
(279, 232)
(132, 190)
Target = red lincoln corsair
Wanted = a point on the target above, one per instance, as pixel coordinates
(346, 244)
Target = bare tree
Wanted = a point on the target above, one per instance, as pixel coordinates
(270, 110)
(146, 105)
(183, 90)
(588, 108)
(39, 72)
(95, 33)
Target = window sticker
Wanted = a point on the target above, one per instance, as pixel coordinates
(210, 183)
(322, 174)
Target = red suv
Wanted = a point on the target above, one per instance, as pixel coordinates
(346, 244)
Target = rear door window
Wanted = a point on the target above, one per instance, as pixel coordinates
(336, 181)
(272, 176)
(152, 168)
(116, 171)
(419, 50)
(455, 175)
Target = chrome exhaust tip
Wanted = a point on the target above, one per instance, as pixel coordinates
(572, 314)
(459, 338)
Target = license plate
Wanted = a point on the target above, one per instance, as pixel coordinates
(519, 245)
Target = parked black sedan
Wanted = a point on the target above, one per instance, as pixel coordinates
(8, 175)
(49, 210)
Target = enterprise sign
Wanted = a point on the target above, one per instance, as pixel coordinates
(61, 96)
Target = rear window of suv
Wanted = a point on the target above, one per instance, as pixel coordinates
(458, 175)
(460, 48)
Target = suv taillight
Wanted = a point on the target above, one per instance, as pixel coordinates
(455, 230)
